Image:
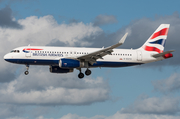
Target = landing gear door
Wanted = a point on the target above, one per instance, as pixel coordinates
(139, 55)
(27, 52)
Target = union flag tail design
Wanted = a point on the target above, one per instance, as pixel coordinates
(157, 40)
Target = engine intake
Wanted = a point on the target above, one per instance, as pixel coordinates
(57, 69)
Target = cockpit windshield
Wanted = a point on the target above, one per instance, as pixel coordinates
(15, 51)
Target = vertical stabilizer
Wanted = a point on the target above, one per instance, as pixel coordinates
(157, 40)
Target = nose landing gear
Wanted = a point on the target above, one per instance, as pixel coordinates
(27, 72)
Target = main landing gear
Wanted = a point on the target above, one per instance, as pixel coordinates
(27, 72)
(81, 75)
(88, 72)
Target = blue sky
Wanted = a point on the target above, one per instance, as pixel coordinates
(145, 91)
(85, 11)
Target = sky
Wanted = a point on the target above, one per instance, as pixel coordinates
(148, 91)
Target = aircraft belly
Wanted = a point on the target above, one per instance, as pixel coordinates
(114, 64)
(34, 61)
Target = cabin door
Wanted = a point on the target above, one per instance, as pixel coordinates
(139, 55)
(27, 52)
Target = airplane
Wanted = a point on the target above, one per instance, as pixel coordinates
(66, 59)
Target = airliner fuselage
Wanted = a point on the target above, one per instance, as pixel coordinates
(65, 59)
(38, 55)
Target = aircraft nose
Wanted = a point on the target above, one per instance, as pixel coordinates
(6, 57)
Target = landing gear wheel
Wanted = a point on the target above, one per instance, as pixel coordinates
(81, 75)
(88, 72)
(26, 72)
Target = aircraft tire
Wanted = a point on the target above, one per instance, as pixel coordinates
(88, 72)
(81, 75)
(26, 72)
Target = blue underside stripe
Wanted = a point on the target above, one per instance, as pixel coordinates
(56, 62)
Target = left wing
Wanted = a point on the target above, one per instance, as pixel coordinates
(92, 57)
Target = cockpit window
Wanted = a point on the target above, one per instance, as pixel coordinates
(15, 51)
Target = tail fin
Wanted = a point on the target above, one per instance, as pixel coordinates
(156, 41)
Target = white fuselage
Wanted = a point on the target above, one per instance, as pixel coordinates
(39, 55)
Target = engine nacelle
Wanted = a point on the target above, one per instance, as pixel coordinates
(57, 69)
(70, 63)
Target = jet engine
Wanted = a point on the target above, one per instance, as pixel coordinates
(70, 63)
(57, 69)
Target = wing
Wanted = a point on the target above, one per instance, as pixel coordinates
(92, 57)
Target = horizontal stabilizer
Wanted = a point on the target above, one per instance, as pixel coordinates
(162, 54)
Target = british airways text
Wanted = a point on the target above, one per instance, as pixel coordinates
(48, 54)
